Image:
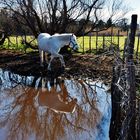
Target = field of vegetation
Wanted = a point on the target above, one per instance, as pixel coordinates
(85, 42)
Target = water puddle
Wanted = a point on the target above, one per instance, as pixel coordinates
(41, 108)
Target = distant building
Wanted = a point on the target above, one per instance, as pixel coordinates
(111, 31)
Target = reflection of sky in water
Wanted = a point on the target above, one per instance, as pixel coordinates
(103, 104)
(95, 91)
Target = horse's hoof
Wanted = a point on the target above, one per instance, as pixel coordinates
(49, 70)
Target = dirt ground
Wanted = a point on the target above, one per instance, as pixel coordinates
(77, 65)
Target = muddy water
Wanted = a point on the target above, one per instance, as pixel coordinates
(41, 108)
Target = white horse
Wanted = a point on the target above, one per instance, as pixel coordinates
(53, 44)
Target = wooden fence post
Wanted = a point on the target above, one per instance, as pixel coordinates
(8, 38)
(132, 38)
(90, 43)
(111, 35)
(83, 44)
(131, 90)
(96, 41)
(17, 42)
(119, 40)
(137, 50)
(103, 42)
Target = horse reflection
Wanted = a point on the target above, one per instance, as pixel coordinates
(57, 100)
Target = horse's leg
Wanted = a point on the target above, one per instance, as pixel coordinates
(49, 64)
(41, 57)
(44, 57)
(61, 59)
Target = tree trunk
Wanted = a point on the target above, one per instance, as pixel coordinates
(3, 38)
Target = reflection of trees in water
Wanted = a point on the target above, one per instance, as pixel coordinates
(86, 110)
(24, 117)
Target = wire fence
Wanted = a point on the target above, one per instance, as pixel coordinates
(125, 122)
(101, 43)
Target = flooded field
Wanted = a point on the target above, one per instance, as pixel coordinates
(43, 108)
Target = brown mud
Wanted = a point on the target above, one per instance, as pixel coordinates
(77, 65)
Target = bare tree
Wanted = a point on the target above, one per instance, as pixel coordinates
(62, 15)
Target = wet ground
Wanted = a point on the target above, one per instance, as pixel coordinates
(45, 108)
(84, 65)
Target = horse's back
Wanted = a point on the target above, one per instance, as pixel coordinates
(42, 35)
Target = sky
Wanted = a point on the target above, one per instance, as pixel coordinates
(135, 5)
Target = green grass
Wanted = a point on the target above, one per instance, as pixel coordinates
(85, 43)
(15, 43)
(88, 43)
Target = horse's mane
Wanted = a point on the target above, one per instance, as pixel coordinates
(63, 36)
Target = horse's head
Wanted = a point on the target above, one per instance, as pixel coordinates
(73, 43)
